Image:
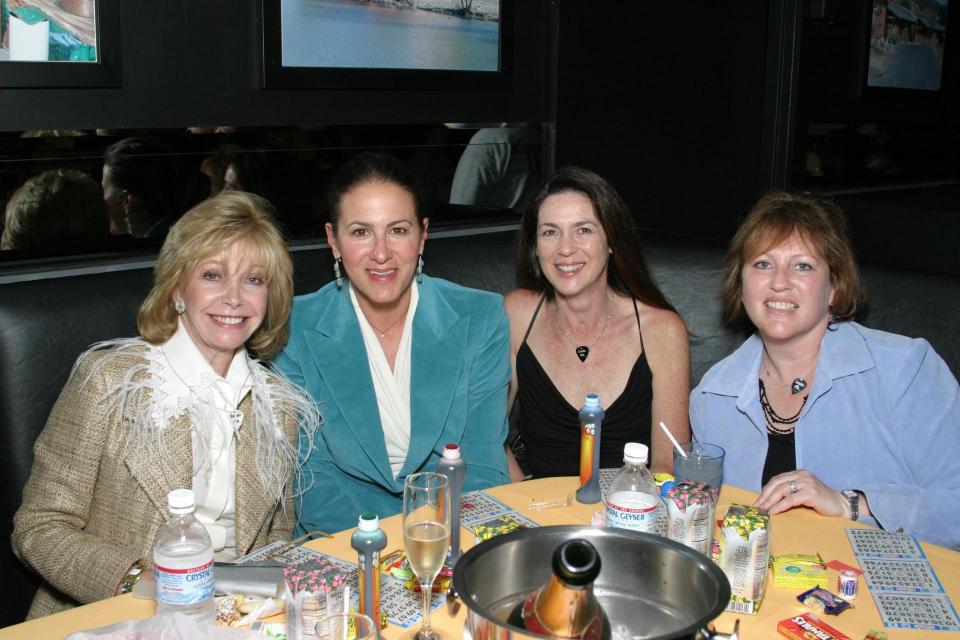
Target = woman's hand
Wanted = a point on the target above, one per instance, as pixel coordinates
(801, 488)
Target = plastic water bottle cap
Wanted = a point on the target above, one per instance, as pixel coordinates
(181, 501)
(635, 453)
(369, 521)
(451, 452)
(592, 400)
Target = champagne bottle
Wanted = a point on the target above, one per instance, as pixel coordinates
(566, 607)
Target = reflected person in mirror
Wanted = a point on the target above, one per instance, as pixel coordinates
(815, 410)
(182, 406)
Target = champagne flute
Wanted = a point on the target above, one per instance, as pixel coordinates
(426, 535)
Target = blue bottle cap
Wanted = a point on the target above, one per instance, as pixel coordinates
(666, 486)
(592, 400)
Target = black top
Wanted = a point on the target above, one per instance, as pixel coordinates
(781, 456)
(551, 427)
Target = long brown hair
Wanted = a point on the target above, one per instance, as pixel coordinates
(627, 270)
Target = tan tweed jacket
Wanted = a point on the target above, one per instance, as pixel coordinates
(89, 511)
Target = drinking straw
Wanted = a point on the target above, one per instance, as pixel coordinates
(676, 444)
(346, 612)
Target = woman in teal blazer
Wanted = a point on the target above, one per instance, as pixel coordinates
(354, 342)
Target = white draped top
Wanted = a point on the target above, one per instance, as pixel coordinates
(188, 377)
(392, 387)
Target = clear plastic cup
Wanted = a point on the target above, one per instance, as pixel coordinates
(703, 463)
(346, 626)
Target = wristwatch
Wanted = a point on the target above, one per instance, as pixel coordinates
(853, 499)
(131, 578)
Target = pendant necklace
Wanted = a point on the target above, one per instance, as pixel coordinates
(778, 425)
(798, 384)
(582, 350)
(383, 334)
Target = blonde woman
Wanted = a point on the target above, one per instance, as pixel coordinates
(182, 406)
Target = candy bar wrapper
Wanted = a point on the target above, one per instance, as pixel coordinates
(690, 511)
(796, 571)
(823, 601)
(398, 567)
(806, 626)
(496, 527)
(744, 556)
(309, 593)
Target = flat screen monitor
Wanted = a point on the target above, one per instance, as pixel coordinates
(387, 44)
(906, 44)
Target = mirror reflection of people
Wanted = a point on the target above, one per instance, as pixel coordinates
(182, 406)
(140, 187)
(402, 363)
(815, 410)
(588, 318)
(59, 210)
(500, 167)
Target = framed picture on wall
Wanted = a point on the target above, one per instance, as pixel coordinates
(59, 43)
(906, 43)
(387, 44)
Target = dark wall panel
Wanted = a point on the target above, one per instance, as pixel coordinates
(666, 101)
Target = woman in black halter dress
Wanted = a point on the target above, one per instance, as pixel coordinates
(588, 318)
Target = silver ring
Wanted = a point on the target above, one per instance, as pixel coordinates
(793, 486)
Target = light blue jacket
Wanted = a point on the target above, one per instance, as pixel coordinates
(883, 417)
(458, 393)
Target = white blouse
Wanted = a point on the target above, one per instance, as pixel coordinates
(188, 376)
(392, 387)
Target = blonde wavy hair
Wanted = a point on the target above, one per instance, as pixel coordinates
(211, 228)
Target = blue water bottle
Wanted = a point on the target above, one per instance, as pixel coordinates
(368, 541)
(591, 417)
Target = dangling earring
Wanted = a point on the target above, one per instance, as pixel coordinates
(336, 272)
(420, 268)
(180, 306)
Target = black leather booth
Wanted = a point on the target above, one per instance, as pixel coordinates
(45, 323)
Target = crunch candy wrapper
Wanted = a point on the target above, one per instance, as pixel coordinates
(823, 601)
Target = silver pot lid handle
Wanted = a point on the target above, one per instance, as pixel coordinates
(708, 634)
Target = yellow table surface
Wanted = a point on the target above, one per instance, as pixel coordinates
(797, 531)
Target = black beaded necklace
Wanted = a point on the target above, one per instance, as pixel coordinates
(774, 419)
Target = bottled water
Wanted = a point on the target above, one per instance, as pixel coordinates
(183, 561)
(632, 500)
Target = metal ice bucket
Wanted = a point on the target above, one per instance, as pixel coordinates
(650, 587)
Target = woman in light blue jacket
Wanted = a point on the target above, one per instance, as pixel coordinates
(816, 410)
(400, 363)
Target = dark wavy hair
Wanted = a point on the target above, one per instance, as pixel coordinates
(370, 167)
(627, 270)
(772, 220)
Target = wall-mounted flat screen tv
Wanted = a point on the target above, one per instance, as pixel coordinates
(906, 44)
(394, 44)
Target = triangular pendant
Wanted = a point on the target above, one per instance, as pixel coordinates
(236, 418)
(799, 384)
(582, 352)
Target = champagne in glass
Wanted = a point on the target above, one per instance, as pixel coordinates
(426, 535)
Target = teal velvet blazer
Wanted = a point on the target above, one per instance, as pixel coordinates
(459, 379)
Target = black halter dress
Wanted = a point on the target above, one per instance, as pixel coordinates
(551, 427)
